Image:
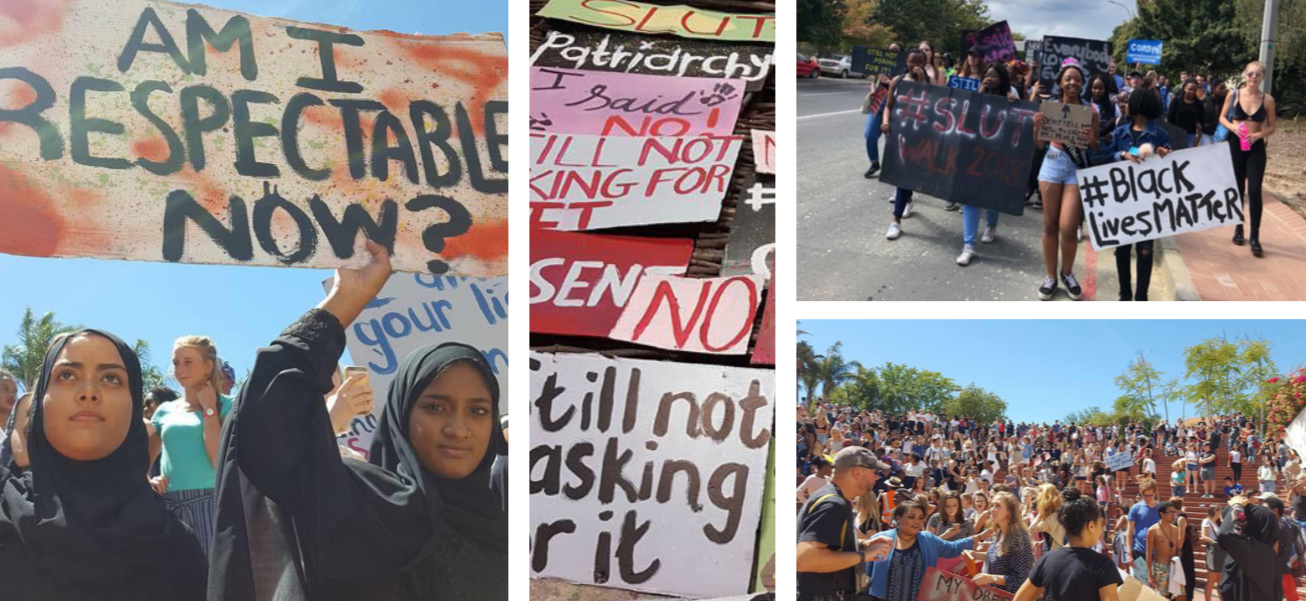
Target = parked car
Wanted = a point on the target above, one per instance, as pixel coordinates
(839, 65)
(808, 67)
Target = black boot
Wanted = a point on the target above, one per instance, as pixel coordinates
(1238, 234)
(1255, 243)
(870, 173)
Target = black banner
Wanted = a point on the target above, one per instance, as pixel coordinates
(874, 61)
(960, 146)
(1032, 49)
(994, 41)
(584, 48)
(1093, 55)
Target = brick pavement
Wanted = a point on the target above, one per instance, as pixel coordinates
(1222, 271)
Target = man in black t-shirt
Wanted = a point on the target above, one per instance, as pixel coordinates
(828, 550)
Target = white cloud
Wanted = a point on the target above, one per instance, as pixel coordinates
(1035, 19)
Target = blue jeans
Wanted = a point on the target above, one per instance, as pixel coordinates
(900, 200)
(872, 135)
(970, 221)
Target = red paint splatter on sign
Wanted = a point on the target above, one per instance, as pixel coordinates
(29, 222)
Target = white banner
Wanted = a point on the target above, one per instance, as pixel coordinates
(1296, 434)
(1119, 462)
(1187, 191)
(414, 310)
(647, 475)
(594, 182)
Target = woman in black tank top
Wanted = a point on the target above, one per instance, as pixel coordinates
(1249, 164)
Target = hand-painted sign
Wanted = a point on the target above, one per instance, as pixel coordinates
(679, 20)
(414, 310)
(994, 41)
(764, 150)
(1119, 462)
(764, 347)
(578, 48)
(964, 83)
(752, 234)
(876, 101)
(580, 283)
(1032, 50)
(154, 131)
(698, 315)
(1144, 51)
(1093, 55)
(1187, 191)
(873, 62)
(698, 434)
(596, 102)
(594, 182)
(960, 146)
(939, 585)
(1065, 123)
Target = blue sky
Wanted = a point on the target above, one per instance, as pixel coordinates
(1045, 369)
(242, 308)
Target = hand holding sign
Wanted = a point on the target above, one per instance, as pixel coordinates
(1066, 123)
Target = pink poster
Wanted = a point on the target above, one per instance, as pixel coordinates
(572, 101)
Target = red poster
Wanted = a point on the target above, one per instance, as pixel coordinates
(581, 282)
(764, 350)
(942, 586)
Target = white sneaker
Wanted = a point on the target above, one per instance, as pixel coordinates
(895, 230)
(906, 211)
(990, 232)
(967, 253)
(1079, 234)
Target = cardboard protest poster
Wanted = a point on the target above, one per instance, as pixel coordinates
(939, 585)
(960, 146)
(698, 315)
(876, 102)
(1032, 49)
(1295, 434)
(153, 131)
(1093, 55)
(1187, 191)
(764, 150)
(580, 283)
(994, 41)
(751, 247)
(1178, 137)
(600, 103)
(579, 48)
(1119, 462)
(764, 348)
(417, 309)
(1065, 123)
(765, 567)
(873, 62)
(647, 475)
(679, 20)
(583, 182)
(963, 83)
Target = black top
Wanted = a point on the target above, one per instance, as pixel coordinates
(1187, 116)
(1299, 507)
(1074, 574)
(1240, 115)
(830, 522)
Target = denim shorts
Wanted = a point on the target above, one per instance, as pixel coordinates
(1058, 168)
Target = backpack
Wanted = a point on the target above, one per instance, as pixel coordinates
(1222, 132)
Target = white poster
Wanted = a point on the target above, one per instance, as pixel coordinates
(1187, 191)
(1119, 462)
(647, 475)
(1296, 434)
(414, 310)
(583, 182)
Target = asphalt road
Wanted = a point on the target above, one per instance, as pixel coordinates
(842, 218)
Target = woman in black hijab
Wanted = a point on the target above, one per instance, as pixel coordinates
(419, 520)
(81, 522)
(1251, 568)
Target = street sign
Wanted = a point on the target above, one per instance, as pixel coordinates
(1144, 51)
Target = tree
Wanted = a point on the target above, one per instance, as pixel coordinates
(806, 365)
(939, 21)
(1258, 367)
(1142, 380)
(1134, 408)
(820, 22)
(151, 375)
(978, 403)
(34, 337)
(1215, 364)
(1199, 35)
(860, 391)
(832, 370)
(1289, 85)
(903, 388)
(860, 28)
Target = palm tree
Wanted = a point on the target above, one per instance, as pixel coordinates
(807, 365)
(832, 370)
(34, 337)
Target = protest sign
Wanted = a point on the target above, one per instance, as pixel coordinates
(872, 62)
(1187, 191)
(1032, 49)
(600, 103)
(153, 131)
(939, 585)
(1178, 137)
(414, 310)
(679, 20)
(964, 83)
(1295, 434)
(1144, 51)
(669, 457)
(764, 150)
(1119, 462)
(1093, 55)
(960, 146)
(764, 348)
(580, 283)
(698, 315)
(751, 246)
(876, 101)
(994, 41)
(583, 182)
(1065, 123)
(578, 48)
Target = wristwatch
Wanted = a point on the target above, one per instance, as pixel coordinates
(210, 412)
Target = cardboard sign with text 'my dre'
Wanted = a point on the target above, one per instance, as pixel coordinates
(153, 131)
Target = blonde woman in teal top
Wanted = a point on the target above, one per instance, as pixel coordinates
(185, 434)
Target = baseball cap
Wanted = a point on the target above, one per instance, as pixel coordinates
(228, 371)
(850, 457)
